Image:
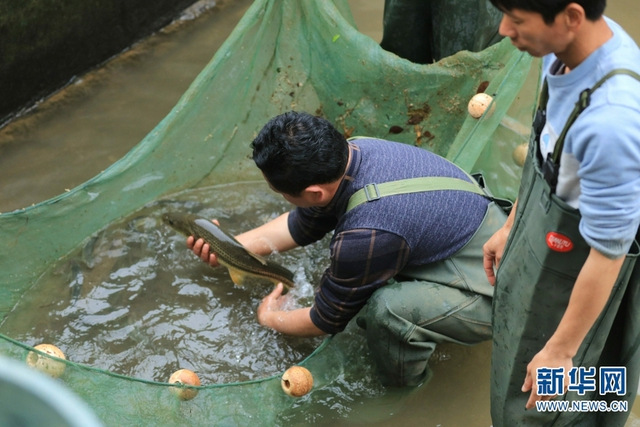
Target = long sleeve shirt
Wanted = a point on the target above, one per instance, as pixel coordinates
(600, 162)
(376, 240)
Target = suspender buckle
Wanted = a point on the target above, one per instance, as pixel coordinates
(539, 121)
(375, 195)
(585, 99)
(550, 171)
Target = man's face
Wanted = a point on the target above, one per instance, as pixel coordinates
(304, 200)
(528, 32)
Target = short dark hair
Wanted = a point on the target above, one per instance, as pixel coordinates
(295, 150)
(549, 9)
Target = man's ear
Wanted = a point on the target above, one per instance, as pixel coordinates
(317, 192)
(574, 16)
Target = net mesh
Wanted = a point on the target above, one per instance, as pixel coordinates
(283, 55)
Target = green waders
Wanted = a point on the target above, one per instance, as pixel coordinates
(446, 301)
(541, 261)
(424, 31)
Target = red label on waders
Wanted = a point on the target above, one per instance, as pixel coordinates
(559, 242)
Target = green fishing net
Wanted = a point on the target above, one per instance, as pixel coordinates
(283, 55)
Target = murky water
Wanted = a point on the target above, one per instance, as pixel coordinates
(135, 301)
(80, 131)
(83, 130)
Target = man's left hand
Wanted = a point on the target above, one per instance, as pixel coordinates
(270, 306)
(546, 358)
(272, 314)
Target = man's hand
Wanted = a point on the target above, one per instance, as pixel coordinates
(589, 296)
(546, 358)
(290, 322)
(271, 306)
(202, 249)
(493, 250)
(263, 240)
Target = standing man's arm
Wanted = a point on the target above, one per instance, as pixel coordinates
(588, 297)
(609, 174)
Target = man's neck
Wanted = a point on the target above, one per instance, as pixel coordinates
(592, 35)
(331, 189)
(337, 184)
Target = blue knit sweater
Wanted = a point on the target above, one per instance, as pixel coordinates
(394, 231)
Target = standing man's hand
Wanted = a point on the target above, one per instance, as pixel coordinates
(492, 253)
(546, 358)
(494, 248)
(589, 296)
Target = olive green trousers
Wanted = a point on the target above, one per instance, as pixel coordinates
(447, 301)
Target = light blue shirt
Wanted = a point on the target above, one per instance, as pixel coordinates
(600, 163)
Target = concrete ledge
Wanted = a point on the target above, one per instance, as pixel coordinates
(44, 43)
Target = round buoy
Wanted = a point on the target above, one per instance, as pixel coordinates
(479, 104)
(186, 377)
(297, 381)
(45, 364)
(520, 154)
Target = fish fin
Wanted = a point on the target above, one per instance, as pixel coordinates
(237, 276)
(261, 259)
(284, 284)
(285, 287)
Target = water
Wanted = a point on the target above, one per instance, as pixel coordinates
(81, 130)
(133, 300)
(78, 132)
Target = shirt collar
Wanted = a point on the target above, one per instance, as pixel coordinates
(345, 189)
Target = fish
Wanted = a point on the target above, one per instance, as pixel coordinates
(77, 281)
(240, 262)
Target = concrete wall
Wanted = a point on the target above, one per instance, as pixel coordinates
(43, 43)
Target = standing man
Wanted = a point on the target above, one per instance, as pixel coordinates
(425, 31)
(566, 308)
(406, 250)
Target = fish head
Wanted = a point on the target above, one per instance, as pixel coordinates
(179, 222)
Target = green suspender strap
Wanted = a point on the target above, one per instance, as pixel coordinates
(371, 192)
(551, 165)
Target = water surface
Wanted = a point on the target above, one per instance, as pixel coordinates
(133, 300)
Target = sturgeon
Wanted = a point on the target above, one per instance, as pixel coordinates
(240, 262)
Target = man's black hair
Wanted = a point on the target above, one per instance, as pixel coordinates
(295, 150)
(549, 9)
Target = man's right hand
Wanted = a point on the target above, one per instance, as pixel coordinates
(492, 253)
(202, 249)
(269, 237)
(494, 248)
